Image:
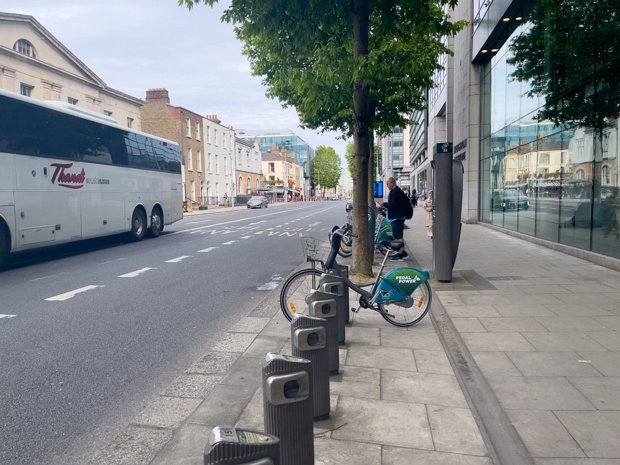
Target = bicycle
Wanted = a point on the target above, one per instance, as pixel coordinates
(402, 297)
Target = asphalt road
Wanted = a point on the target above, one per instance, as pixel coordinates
(91, 332)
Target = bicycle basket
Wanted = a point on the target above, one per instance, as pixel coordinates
(314, 250)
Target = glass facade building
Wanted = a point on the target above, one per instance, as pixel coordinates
(288, 141)
(549, 125)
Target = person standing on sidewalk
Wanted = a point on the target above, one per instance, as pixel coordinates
(414, 198)
(428, 208)
(397, 211)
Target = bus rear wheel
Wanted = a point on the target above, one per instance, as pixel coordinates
(138, 225)
(157, 223)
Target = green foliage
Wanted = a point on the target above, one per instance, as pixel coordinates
(326, 168)
(350, 157)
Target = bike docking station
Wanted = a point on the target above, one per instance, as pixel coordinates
(335, 285)
(234, 446)
(324, 305)
(309, 341)
(287, 406)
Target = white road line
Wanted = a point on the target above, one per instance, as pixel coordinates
(314, 224)
(3, 315)
(208, 249)
(259, 232)
(46, 277)
(178, 259)
(228, 243)
(133, 274)
(71, 294)
(245, 237)
(258, 222)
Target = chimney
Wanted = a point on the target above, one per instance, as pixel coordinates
(213, 118)
(157, 95)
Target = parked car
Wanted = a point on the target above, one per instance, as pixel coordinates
(258, 201)
(509, 199)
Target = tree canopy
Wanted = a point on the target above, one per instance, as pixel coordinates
(326, 168)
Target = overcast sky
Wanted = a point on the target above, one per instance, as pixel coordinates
(134, 45)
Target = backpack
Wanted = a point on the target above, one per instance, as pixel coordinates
(408, 210)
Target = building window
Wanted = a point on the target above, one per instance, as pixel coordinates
(215, 137)
(199, 161)
(197, 130)
(129, 122)
(606, 175)
(190, 161)
(208, 132)
(217, 164)
(72, 101)
(240, 185)
(23, 47)
(25, 89)
(248, 186)
(544, 158)
(188, 128)
(107, 113)
(209, 162)
(272, 167)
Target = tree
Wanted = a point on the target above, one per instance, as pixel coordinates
(353, 66)
(326, 168)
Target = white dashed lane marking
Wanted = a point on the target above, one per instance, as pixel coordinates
(208, 249)
(245, 237)
(228, 243)
(71, 294)
(133, 274)
(178, 259)
(271, 285)
(3, 315)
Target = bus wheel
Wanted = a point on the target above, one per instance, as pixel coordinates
(4, 247)
(157, 223)
(138, 225)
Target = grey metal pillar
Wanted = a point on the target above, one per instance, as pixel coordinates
(343, 270)
(323, 305)
(234, 446)
(309, 341)
(442, 220)
(287, 406)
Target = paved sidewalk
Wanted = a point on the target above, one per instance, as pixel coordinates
(534, 337)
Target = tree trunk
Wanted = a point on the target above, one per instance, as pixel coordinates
(362, 258)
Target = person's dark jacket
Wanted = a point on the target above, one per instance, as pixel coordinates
(397, 204)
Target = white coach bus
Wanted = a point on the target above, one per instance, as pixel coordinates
(68, 174)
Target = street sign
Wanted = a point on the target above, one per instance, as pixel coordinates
(444, 147)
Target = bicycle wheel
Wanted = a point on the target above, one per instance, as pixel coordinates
(410, 312)
(294, 292)
(346, 246)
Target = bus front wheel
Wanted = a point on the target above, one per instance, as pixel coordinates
(4, 247)
(138, 225)
(157, 223)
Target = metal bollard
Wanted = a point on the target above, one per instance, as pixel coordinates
(343, 270)
(309, 341)
(323, 305)
(335, 285)
(287, 405)
(234, 446)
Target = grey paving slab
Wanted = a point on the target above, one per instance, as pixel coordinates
(381, 357)
(495, 364)
(167, 412)
(507, 324)
(455, 430)
(588, 287)
(137, 445)
(609, 339)
(470, 311)
(234, 342)
(186, 447)
(193, 385)
(468, 325)
(334, 452)
(551, 364)
(250, 324)
(546, 393)
(523, 310)
(496, 342)
(603, 392)
(400, 456)
(420, 336)
(611, 322)
(252, 416)
(422, 388)
(263, 344)
(563, 341)
(223, 406)
(247, 371)
(592, 298)
(383, 422)
(571, 324)
(608, 363)
(356, 382)
(566, 309)
(362, 335)
(596, 432)
(564, 461)
(214, 363)
(543, 434)
(432, 361)
(277, 327)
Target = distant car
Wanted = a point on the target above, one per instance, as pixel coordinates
(258, 201)
(509, 199)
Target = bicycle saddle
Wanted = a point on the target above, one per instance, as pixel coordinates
(392, 245)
